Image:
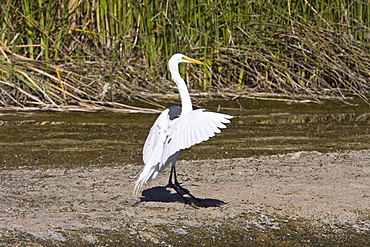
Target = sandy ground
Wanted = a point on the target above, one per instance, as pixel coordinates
(329, 191)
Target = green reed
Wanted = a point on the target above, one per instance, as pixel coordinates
(108, 50)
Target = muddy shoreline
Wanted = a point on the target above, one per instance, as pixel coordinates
(299, 198)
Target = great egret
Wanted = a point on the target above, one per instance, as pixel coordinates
(175, 129)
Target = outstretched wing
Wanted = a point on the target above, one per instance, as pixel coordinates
(153, 147)
(192, 128)
(157, 133)
(170, 134)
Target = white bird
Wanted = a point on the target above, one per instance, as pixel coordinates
(175, 129)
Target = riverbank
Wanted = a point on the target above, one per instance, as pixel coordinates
(299, 198)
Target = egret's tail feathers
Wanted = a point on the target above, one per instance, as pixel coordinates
(137, 188)
(146, 175)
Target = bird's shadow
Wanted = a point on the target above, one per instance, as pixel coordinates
(163, 194)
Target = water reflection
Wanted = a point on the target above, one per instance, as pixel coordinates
(289, 118)
(269, 118)
(102, 138)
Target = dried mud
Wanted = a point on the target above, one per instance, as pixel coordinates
(299, 198)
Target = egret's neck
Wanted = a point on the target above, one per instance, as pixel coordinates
(186, 105)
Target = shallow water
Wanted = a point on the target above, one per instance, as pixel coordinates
(78, 139)
(102, 138)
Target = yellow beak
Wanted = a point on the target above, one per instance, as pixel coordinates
(193, 60)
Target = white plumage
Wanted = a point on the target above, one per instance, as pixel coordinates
(177, 128)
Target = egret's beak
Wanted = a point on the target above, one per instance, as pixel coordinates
(193, 60)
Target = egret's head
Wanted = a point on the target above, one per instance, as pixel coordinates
(181, 58)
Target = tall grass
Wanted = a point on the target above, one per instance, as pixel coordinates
(55, 53)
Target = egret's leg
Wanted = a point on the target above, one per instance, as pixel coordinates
(173, 170)
(178, 184)
(174, 187)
